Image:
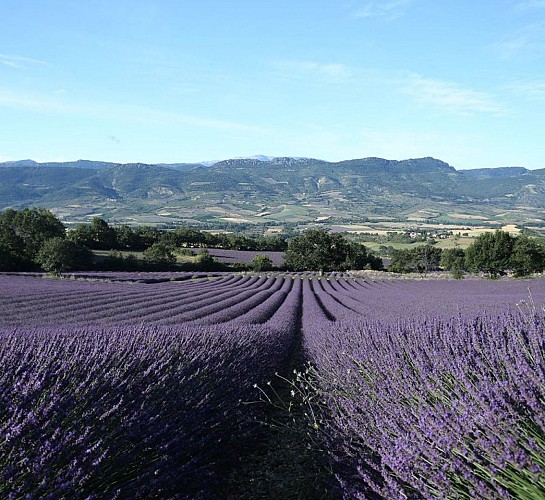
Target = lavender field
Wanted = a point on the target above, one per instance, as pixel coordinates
(118, 386)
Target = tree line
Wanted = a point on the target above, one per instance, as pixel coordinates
(493, 254)
(32, 239)
(321, 250)
(99, 235)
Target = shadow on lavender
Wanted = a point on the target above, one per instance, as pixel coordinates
(131, 412)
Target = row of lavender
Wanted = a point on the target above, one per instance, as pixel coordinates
(102, 397)
(444, 398)
(220, 298)
(201, 299)
(36, 301)
(403, 370)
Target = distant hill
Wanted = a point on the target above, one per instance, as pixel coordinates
(67, 164)
(275, 191)
(487, 173)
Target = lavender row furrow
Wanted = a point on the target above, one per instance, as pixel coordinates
(131, 412)
(287, 316)
(347, 305)
(437, 389)
(264, 310)
(398, 298)
(332, 308)
(184, 311)
(101, 293)
(313, 311)
(146, 305)
(128, 299)
(41, 301)
(346, 285)
(35, 290)
(255, 301)
(215, 304)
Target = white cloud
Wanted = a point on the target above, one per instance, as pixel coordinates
(29, 102)
(533, 90)
(451, 97)
(333, 70)
(389, 8)
(510, 47)
(17, 62)
(528, 42)
(531, 4)
(146, 115)
(323, 72)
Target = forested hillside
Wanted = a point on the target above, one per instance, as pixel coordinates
(279, 190)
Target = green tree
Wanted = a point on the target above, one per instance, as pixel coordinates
(146, 236)
(427, 258)
(22, 233)
(421, 259)
(275, 243)
(117, 261)
(261, 263)
(453, 260)
(160, 255)
(374, 262)
(98, 235)
(316, 250)
(12, 250)
(60, 254)
(402, 261)
(184, 237)
(320, 250)
(356, 256)
(236, 241)
(528, 256)
(125, 237)
(205, 261)
(490, 253)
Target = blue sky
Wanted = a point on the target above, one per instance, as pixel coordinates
(191, 80)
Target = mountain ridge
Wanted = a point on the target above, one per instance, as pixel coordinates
(244, 160)
(279, 190)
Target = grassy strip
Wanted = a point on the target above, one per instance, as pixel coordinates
(288, 462)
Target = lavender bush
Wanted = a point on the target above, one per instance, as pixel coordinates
(432, 406)
(117, 412)
(125, 386)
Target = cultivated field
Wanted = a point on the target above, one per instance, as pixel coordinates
(137, 385)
